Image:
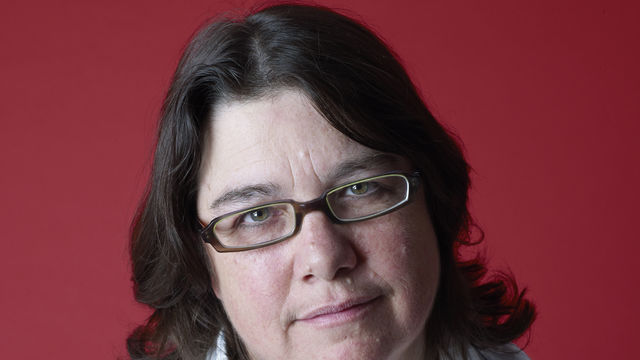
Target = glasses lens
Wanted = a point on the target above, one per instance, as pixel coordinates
(369, 197)
(256, 226)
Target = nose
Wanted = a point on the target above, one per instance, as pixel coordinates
(322, 252)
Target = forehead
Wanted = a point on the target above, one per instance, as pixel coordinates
(280, 132)
(282, 143)
(284, 118)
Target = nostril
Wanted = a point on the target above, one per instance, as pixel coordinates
(343, 272)
(309, 274)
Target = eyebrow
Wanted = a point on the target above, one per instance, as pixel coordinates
(368, 161)
(245, 194)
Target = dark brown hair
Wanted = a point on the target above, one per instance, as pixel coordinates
(362, 90)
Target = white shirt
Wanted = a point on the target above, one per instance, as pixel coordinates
(504, 352)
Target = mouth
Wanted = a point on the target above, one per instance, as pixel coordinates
(339, 313)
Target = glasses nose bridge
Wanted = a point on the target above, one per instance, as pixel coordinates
(319, 204)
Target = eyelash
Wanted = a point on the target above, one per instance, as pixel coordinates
(240, 222)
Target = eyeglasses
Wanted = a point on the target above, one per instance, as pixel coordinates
(273, 222)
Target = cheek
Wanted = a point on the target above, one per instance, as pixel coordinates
(403, 253)
(397, 244)
(418, 249)
(251, 289)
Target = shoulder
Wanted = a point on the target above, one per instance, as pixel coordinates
(504, 352)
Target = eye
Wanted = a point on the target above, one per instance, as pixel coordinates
(359, 188)
(259, 215)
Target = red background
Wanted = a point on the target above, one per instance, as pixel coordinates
(545, 95)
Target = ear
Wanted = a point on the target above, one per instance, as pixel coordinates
(215, 284)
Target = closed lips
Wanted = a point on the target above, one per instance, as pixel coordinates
(336, 308)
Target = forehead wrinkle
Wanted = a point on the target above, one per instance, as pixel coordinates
(307, 169)
(300, 159)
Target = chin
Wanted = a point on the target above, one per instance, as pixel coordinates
(370, 348)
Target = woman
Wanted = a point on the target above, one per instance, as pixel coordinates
(305, 204)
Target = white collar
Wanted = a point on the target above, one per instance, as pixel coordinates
(505, 352)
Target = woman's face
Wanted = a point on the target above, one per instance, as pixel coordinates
(333, 291)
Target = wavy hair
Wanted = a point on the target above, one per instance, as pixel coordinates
(357, 83)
